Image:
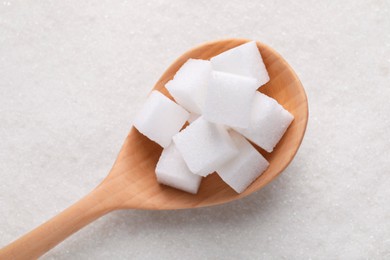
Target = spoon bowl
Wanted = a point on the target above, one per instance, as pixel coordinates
(132, 184)
(284, 86)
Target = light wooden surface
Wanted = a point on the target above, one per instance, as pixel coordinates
(131, 184)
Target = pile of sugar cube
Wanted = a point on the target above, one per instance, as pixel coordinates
(219, 100)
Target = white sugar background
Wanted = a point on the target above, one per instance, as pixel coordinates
(73, 74)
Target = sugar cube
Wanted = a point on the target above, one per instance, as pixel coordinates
(189, 85)
(244, 60)
(192, 117)
(245, 167)
(229, 99)
(204, 146)
(160, 118)
(171, 170)
(269, 121)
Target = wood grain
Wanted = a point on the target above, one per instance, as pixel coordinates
(131, 183)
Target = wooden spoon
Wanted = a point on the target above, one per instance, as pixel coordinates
(131, 183)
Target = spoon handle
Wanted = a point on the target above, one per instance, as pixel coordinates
(40, 240)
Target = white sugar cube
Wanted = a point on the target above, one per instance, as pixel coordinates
(160, 118)
(244, 60)
(204, 146)
(269, 121)
(229, 99)
(171, 170)
(243, 169)
(192, 117)
(189, 85)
